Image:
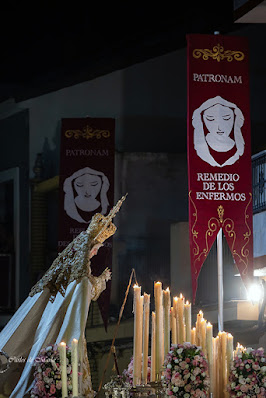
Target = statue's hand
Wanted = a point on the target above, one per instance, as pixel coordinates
(107, 274)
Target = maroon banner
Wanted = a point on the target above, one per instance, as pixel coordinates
(219, 153)
(86, 186)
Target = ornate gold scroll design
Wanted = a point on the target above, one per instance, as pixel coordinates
(87, 132)
(244, 250)
(213, 225)
(228, 226)
(193, 231)
(218, 54)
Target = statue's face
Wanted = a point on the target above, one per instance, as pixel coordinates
(219, 120)
(87, 186)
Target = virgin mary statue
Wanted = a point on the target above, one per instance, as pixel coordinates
(57, 309)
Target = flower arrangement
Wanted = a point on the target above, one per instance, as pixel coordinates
(128, 373)
(247, 377)
(47, 375)
(185, 371)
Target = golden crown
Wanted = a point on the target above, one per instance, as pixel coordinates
(101, 227)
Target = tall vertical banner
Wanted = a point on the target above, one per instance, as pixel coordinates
(86, 186)
(219, 152)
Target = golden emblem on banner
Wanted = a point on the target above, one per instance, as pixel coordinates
(218, 54)
(220, 210)
(87, 132)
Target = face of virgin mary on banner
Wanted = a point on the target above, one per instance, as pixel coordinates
(85, 191)
(217, 129)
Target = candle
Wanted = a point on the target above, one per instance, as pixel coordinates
(223, 338)
(203, 335)
(193, 336)
(146, 317)
(166, 311)
(74, 364)
(209, 336)
(159, 340)
(198, 323)
(229, 352)
(153, 325)
(173, 326)
(137, 342)
(175, 303)
(187, 313)
(62, 355)
(209, 350)
(215, 367)
(180, 309)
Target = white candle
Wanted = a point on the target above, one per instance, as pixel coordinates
(62, 355)
(180, 309)
(74, 363)
(146, 318)
(223, 345)
(153, 325)
(159, 345)
(187, 312)
(193, 336)
(209, 350)
(175, 303)
(173, 326)
(137, 343)
(198, 323)
(229, 352)
(203, 335)
(166, 308)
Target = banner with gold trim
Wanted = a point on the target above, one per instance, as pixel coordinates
(219, 152)
(86, 186)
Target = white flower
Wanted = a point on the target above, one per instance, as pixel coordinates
(263, 368)
(247, 366)
(180, 350)
(263, 359)
(186, 395)
(193, 378)
(175, 389)
(248, 350)
(176, 360)
(242, 380)
(233, 385)
(169, 366)
(49, 348)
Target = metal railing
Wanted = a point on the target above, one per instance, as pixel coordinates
(258, 181)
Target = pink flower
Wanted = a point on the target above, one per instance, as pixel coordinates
(40, 385)
(47, 371)
(52, 389)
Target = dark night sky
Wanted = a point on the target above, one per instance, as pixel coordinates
(49, 46)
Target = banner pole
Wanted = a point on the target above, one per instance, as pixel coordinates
(220, 280)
